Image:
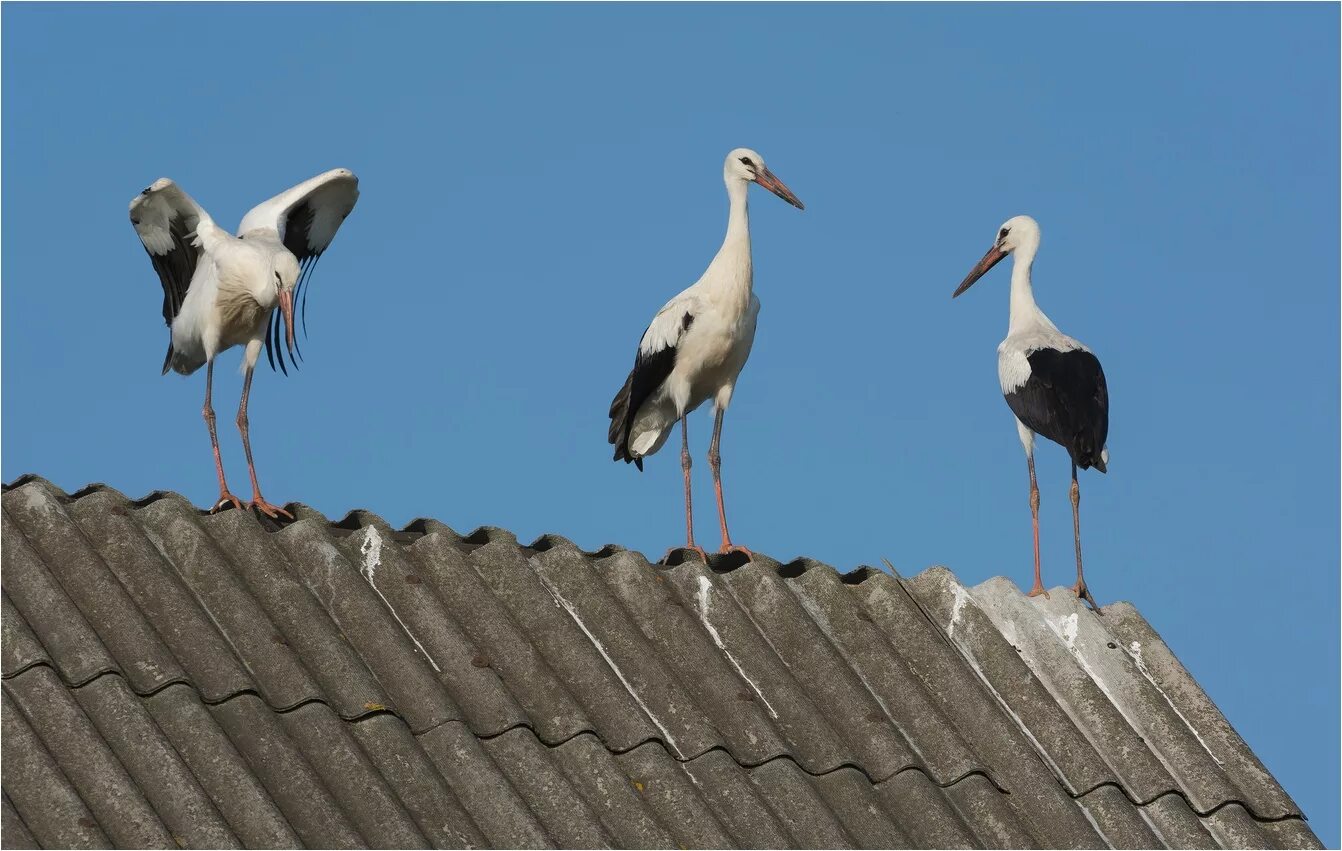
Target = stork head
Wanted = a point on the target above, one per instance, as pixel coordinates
(745, 164)
(1015, 233)
(285, 271)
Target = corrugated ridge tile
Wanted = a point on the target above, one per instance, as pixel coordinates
(505, 645)
(1117, 820)
(289, 778)
(813, 660)
(1087, 703)
(1260, 790)
(675, 625)
(661, 782)
(301, 626)
(860, 809)
(496, 807)
(459, 665)
(930, 735)
(40, 792)
(1014, 762)
(421, 790)
(739, 806)
(158, 770)
(19, 648)
(86, 759)
(562, 642)
(1234, 827)
(805, 815)
(353, 779)
(998, 825)
(1081, 634)
(218, 586)
(611, 795)
(111, 526)
(1291, 833)
(72, 645)
(925, 812)
(610, 630)
(402, 670)
(997, 660)
(792, 712)
(13, 832)
(55, 538)
(1176, 824)
(220, 769)
(555, 802)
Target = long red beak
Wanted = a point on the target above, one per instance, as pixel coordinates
(287, 309)
(770, 181)
(989, 260)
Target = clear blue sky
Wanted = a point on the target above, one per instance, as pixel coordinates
(538, 181)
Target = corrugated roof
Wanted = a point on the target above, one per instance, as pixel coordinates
(172, 677)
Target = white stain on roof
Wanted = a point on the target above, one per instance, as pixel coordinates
(705, 585)
(1135, 650)
(371, 548)
(601, 648)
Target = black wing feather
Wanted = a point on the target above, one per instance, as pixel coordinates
(649, 371)
(175, 268)
(1066, 399)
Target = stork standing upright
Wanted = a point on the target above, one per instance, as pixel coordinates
(221, 291)
(1053, 384)
(696, 346)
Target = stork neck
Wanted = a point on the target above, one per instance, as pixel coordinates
(729, 276)
(1025, 313)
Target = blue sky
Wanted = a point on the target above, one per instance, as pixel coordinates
(537, 181)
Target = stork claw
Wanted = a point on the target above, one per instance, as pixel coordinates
(224, 498)
(733, 548)
(1038, 591)
(1083, 593)
(691, 547)
(271, 511)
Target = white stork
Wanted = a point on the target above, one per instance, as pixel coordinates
(1053, 384)
(696, 346)
(220, 291)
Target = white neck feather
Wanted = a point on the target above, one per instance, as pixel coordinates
(729, 277)
(1025, 314)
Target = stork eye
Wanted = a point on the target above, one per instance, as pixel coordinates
(1003, 233)
(747, 161)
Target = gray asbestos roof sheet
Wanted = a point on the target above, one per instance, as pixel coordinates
(174, 678)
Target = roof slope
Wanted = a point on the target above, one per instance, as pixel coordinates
(172, 677)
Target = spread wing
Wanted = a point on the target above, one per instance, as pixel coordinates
(306, 218)
(655, 360)
(166, 219)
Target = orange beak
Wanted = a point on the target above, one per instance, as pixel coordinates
(287, 309)
(991, 259)
(770, 181)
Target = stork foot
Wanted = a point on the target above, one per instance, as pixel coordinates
(1038, 591)
(691, 547)
(225, 498)
(274, 512)
(733, 548)
(1083, 593)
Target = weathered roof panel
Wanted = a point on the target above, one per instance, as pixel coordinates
(172, 677)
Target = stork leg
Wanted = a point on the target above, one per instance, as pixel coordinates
(1080, 587)
(258, 502)
(685, 463)
(1034, 522)
(715, 461)
(224, 495)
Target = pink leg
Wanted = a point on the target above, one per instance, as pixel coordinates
(258, 502)
(685, 462)
(715, 461)
(1080, 587)
(224, 495)
(1034, 522)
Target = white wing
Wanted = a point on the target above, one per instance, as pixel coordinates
(670, 323)
(306, 217)
(167, 220)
